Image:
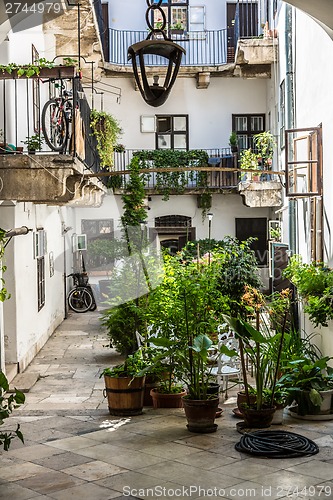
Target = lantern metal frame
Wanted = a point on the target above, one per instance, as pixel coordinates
(155, 94)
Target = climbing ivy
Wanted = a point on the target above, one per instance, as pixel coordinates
(3, 290)
(174, 182)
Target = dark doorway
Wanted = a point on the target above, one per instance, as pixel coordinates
(242, 22)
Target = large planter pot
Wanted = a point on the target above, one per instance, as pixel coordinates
(306, 407)
(241, 400)
(125, 395)
(161, 400)
(278, 416)
(201, 414)
(258, 419)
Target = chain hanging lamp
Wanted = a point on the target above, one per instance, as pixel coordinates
(155, 94)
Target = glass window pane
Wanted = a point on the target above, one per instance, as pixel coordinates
(164, 124)
(257, 123)
(241, 123)
(179, 15)
(179, 123)
(242, 141)
(179, 141)
(163, 141)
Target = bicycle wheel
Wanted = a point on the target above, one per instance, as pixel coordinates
(55, 125)
(80, 300)
(93, 305)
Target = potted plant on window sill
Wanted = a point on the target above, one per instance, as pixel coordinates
(34, 143)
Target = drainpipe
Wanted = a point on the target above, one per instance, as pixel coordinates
(290, 118)
(290, 124)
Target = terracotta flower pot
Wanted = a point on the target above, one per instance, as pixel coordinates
(201, 414)
(161, 400)
(258, 419)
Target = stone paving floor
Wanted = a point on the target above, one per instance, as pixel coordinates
(75, 450)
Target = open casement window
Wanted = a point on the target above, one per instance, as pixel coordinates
(303, 160)
(172, 132)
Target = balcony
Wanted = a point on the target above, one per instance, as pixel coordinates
(46, 176)
(215, 172)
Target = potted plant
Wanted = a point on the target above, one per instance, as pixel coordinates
(185, 310)
(233, 142)
(124, 386)
(264, 349)
(177, 28)
(249, 161)
(314, 285)
(107, 130)
(310, 384)
(34, 143)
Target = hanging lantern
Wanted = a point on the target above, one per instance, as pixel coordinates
(155, 93)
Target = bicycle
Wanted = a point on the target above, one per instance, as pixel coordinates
(81, 298)
(56, 116)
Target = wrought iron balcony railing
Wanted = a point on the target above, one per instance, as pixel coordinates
(208, 48)
(219, 173)
(23, 100)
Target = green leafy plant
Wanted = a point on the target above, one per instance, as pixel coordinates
(238, 266)
(183, 312)
(260, 344)
(314, 283)
(34, 142)
(28, 69)
(265, 144)
(4, 295)
(177, 26)
(7, 405)
(131, 367)
(275, 233)
(233, 140)
(304, 379)
(174, 182)
(107, 130)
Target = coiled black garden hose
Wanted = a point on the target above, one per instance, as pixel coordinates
(276, 444)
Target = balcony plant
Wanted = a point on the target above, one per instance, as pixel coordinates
(107, 130)
(314, 283)
(34, 143)
(233, 142)
(248, 161)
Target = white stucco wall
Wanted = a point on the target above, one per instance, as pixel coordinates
(210, 110)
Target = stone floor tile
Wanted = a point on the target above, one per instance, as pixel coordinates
(24, 471)
(73, 443)
(245, 469)
(170, 450)
(34, 452)
(105, 452)
(49, 482)
(206, 460)
(286, 480)
(87, 491)
(61, 460)
(92, 471)
(16, 492)
(133, 460)
(129, 481)
(314, 468)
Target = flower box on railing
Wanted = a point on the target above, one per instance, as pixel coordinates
(57, 72)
